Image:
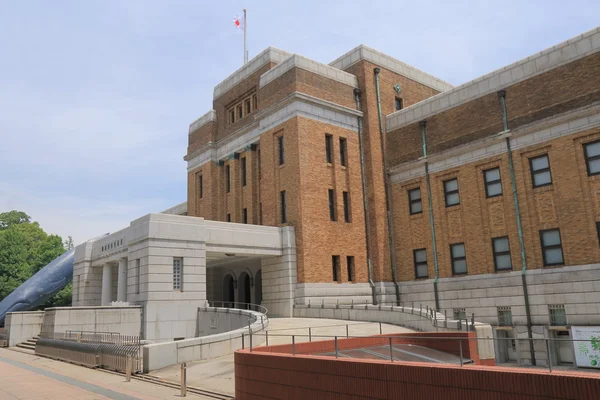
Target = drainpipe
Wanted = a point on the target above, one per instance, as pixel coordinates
(422, 124)
(513, 181)
(364, 189)
(387, 195)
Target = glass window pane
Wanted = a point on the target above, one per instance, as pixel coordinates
(542, 178)
(451, 185)
(460, 267)
(421, 271)
(503, 262)
(539, 163)
(492, 175)
(594, 166)
(494, 189)
(416, 208)
(415, 194)
(551, 238)
(592, 149)
(458, 250)
(452, 199)
(500, 245)
(421, 256)
(553, 256)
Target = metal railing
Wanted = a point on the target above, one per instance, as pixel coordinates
(438, 319)
(93, 349)
(457, 346)
(4, 337)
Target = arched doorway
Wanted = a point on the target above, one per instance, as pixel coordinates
(244, 291)
(258, 287)
(228, 290)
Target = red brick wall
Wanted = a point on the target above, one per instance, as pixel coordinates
(261, 375)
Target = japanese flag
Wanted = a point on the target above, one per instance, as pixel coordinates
(239, 24)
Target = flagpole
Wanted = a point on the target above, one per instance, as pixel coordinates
(245, 51)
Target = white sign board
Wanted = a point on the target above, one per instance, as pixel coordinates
(587, 352)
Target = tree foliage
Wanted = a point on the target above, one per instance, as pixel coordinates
(25, 249)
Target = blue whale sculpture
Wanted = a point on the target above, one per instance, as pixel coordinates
(40, 287)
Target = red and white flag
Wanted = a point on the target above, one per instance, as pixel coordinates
(238, 22)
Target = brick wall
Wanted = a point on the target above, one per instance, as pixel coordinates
(260, 375)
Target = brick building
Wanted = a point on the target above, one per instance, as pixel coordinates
(489, 191)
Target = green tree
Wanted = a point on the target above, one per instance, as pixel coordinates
(24, 249)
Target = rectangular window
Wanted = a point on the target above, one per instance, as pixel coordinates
(414, 201)
(398, 103)
(255, 102)
(346, 198)
(505, 316)
(551, 247)
(228, 217)
(451, 192)
(493, 184)
(350, 266)
(245, 215)
(420, 258)
(592, 157)
(540, 171)
(177, 273)
(200, 187)
(243, 171)
(598, 232)
(231, 116)
(335, 267)
(240, 112)
(227, 178)
(137, 276)
(558, 316)
(260, 217)
(281, 150)
(247, 104)
(501, 249)
(459, 314)
(328, 148)
(331, 205)
(343, 153)
(283, 210)
(459, 259)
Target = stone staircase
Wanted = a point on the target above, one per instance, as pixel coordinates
(29, 344)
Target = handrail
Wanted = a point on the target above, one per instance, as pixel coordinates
(234, 304)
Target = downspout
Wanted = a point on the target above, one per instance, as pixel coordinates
(364, 197)
(513, 181)
(387, 195)
(436, 267)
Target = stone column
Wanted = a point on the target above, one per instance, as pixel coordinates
(122, 280)
(106, 284)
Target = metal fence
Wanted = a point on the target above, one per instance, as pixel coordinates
(93, 349)
(3, 337)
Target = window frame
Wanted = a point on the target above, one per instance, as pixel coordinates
(244, 174)
(335, 269)
(178, 273)
(411, 201)
(420, 263)
(228, 217)
(282, 204)
(343, 151)
(447, 193)
(453, 259)
(598, 231)
(281, 148)
(200, 186)
(346, 201)
(350, 268)
(539, 171)
(232, 115)
(245, 215)
(554, 246)
(248, 106)
(502, 253)
(227, 178)
(399, 101)
(329, 148)
(588, 159)
(488, 183)
(240, 111)
(332, 205)
(255, 102)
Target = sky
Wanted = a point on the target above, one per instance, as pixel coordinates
(96, 96)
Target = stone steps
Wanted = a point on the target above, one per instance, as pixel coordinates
(29, 344)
